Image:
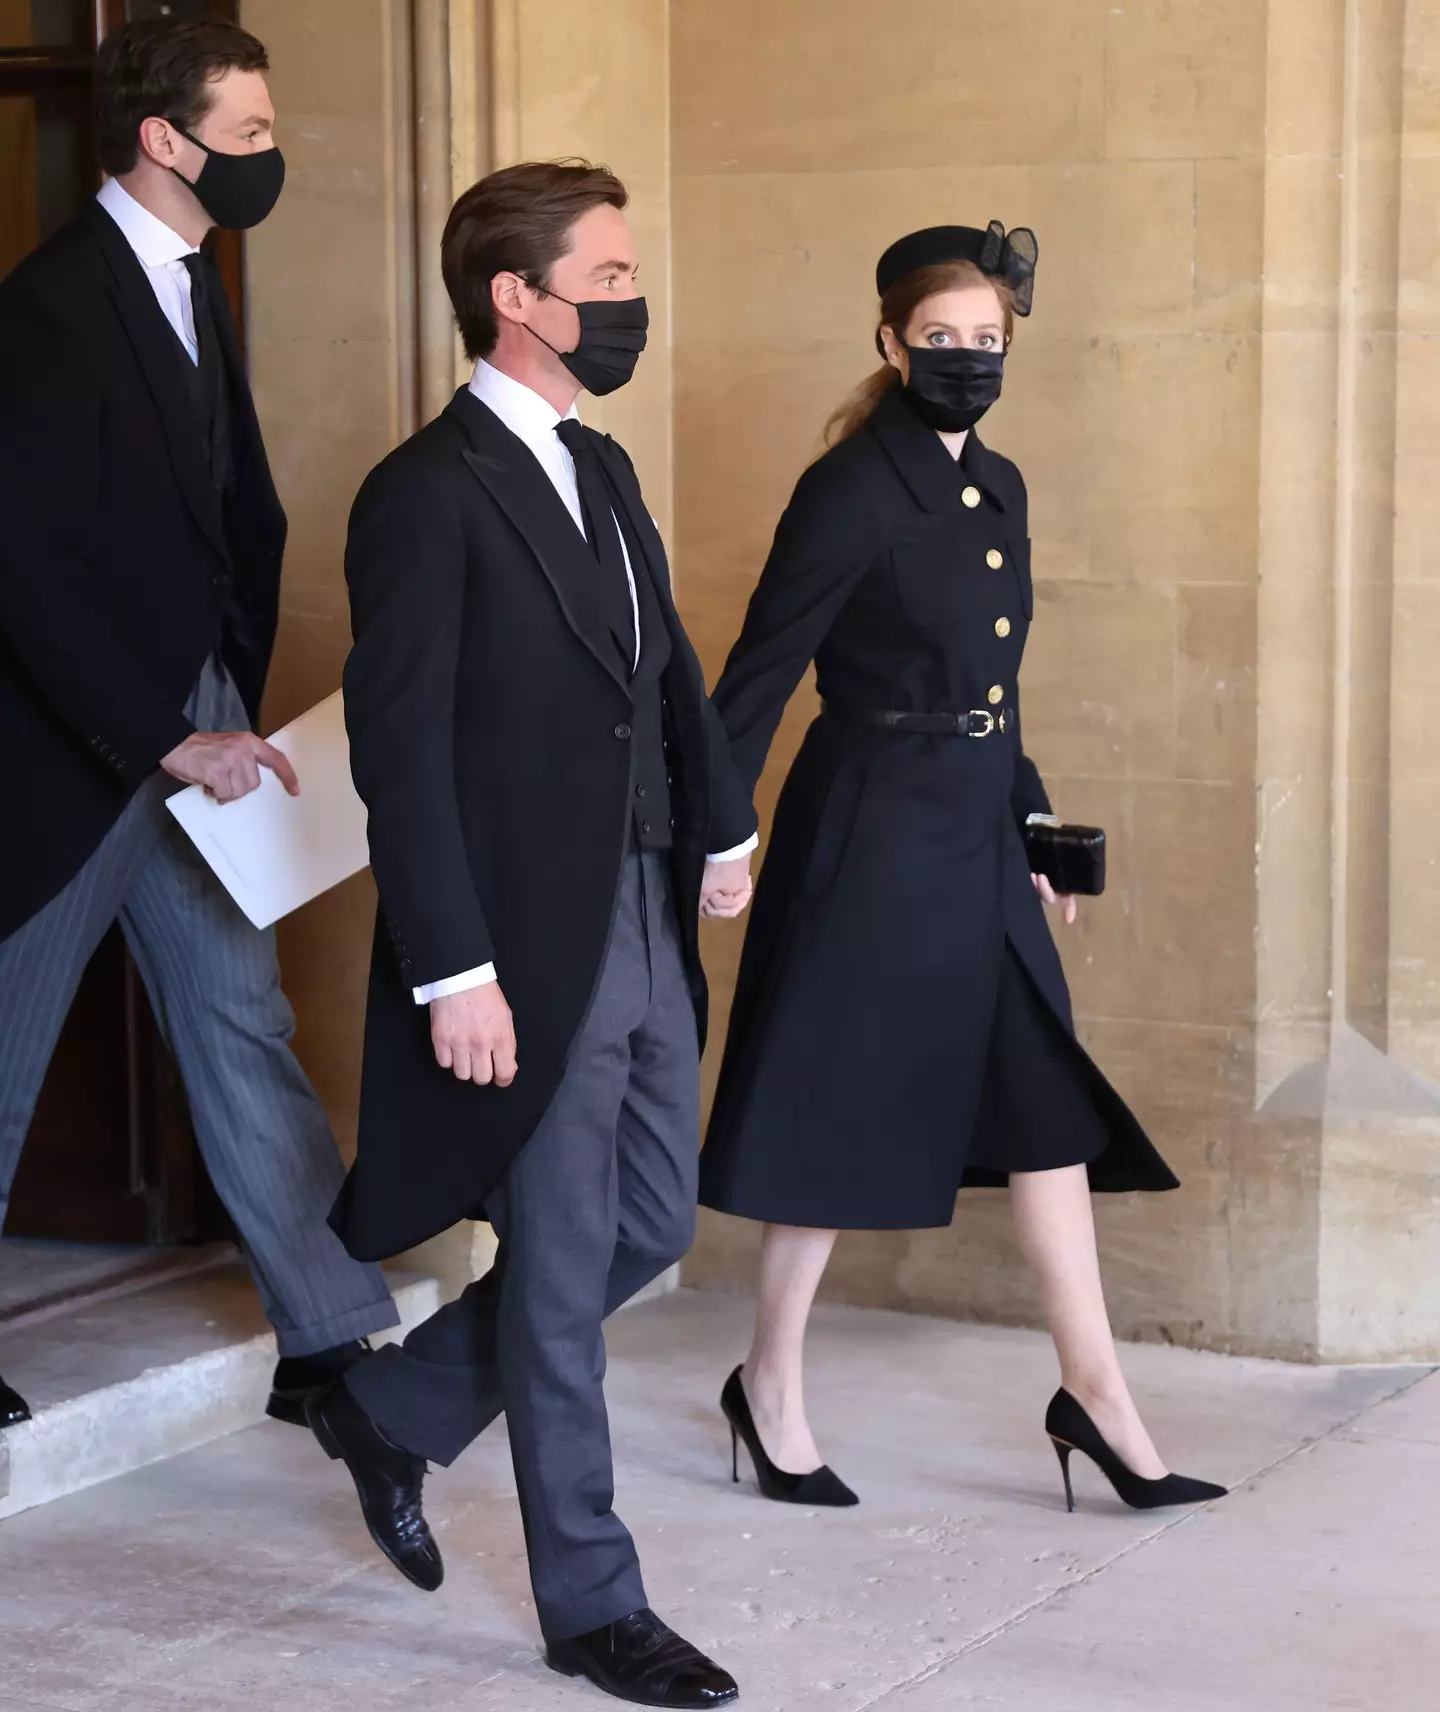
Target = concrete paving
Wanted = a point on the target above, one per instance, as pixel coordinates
(239, 1576)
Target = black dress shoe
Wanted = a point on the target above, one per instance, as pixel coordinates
(298, 1378)
(13, 1407)
(388, 1480)
(642, 1660)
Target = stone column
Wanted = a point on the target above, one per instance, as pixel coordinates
(388, 109)
(570, 77)
(352, 347)
(1348, 1126)
(330, 300)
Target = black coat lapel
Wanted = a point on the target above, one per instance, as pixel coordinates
(922, 462)
(520, 487)
(656, 562)
(160, 358)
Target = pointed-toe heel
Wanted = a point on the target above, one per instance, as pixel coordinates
(822, 1487)
(1071, 1429)
(1063, 1451)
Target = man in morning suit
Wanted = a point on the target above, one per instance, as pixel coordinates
(546, 779)
(139, 591)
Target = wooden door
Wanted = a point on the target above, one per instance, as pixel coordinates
(110, 1156)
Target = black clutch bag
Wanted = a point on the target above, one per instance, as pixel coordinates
(1071, 858)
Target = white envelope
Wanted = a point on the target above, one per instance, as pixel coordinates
(273, 852)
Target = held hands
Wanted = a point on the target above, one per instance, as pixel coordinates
(227, 764)
(726, 889)
(1070, 905)
(473, 1034)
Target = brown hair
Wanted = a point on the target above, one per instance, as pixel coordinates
(162, 68)
(897, 307)
(517, 220)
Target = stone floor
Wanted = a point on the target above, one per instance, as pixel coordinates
(32, 1272)
(239, 1577)
(129, 1357)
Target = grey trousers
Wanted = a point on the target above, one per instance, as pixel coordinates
(598, 1204)
(214, 983)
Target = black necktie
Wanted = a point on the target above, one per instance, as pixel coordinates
(202, 313)
(212, 369)
(603, 533)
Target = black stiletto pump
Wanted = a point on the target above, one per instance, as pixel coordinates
(821, 1487)
(1071, 1429)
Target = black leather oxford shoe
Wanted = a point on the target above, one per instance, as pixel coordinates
(13, 1407)
(389, 1482)
(298, 1378)
(642, 1660)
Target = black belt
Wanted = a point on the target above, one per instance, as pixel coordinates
(979, 722)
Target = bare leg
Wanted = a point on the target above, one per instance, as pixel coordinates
(1056, 1226)
(792, 1263)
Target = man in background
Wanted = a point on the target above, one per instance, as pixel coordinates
(139, 594)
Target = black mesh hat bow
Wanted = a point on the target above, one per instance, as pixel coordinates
(1007, 256)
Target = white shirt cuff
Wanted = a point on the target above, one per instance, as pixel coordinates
(481, 977)
(751, 843)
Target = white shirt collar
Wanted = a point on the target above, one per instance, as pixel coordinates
(522, 410)
(151, 239)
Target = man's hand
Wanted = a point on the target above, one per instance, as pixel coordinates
(726, 888)
(1069, 904)
(474, 1035)
(228, 763)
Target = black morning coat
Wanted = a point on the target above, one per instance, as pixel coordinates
(488, 710)
(850, 1093)
(118, 558)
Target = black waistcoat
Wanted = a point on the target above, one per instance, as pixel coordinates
(210, 394)
(651, 808)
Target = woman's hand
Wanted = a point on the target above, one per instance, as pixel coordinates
(1070, 904)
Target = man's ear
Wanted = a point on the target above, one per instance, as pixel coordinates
(159, 143)
(507, 295)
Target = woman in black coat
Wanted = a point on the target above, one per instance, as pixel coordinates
(901, 1023)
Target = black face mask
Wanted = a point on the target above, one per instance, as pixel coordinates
(612, 336)
(951, 388)
(237, 191)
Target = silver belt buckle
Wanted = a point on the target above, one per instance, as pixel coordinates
(981, 713)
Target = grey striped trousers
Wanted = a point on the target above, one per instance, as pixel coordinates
(214, 983)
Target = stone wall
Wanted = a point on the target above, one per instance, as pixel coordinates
(387, 110)
(332, 357)
(1226, 667)
(1225, 408)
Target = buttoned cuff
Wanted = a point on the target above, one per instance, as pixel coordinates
(751, 843)
(452, 984)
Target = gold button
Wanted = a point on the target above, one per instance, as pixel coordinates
(970, 497)
(997, 695)
(1002, 626)
(995, 558)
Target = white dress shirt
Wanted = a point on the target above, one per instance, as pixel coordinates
(531, 419)
(161, 253)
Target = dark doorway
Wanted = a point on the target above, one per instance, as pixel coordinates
(110, 1157)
